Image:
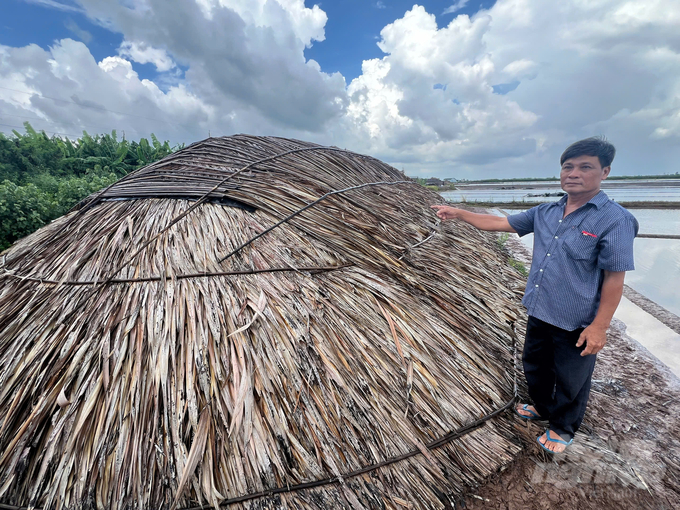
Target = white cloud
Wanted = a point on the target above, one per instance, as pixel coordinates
(563, 71)
(145, 54)
(242, 54)
(599, 70)
(577, 68)
(457, 6)
(245, 73)
(396, 104)
(55, 4)
(69, 89)
(307, 24)
(522, 68)
(80, 33)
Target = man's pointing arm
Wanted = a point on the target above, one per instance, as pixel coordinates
(480, 221)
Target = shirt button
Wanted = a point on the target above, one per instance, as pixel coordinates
(556, 237)
(536, 285)
(559, 221)
(548, 254)
(541, 270)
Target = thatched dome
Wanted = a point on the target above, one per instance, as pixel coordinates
(354, 334)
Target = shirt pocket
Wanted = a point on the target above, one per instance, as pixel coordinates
(581, 247)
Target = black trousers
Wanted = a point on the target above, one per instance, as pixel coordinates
(557, 375)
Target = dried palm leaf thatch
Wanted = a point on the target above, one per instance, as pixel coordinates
(355, 333)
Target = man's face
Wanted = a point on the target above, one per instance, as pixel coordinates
(582, 175)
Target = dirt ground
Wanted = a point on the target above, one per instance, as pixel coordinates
(626, 455)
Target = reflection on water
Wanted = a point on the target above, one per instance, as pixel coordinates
(659, 339)
(657, 271)
(658, 221)
(630, 194)
(497, 195)
(657, 261)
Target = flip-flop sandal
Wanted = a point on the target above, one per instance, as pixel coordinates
(534, 415)
(548, 438)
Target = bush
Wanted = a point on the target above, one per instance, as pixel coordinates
(23, 209)
(41, 178)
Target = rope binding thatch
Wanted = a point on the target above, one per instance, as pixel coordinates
(340, 339)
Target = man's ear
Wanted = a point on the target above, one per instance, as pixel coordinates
(606, 171)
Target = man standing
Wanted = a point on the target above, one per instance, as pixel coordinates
(583, 245)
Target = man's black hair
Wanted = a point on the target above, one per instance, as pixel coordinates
(593, 146)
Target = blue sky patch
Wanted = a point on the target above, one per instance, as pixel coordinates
(353, 29)
(25, 23)
(504, 88)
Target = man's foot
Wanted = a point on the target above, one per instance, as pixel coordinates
(553, 442)
(528, 412)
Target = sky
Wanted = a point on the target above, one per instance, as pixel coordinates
(467, 89)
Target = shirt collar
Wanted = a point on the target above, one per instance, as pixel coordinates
(598, 200)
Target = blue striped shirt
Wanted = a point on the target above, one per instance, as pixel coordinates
(571, 255)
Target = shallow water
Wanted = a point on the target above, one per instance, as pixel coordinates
(627, 194)
(659, 339)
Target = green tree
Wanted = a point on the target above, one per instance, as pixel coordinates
(41, 178)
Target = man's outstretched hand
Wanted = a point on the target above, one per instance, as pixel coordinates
(446, 212)
(480, 221)
(594, 337)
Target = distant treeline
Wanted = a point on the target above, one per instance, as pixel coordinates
(435, 183)
(42, 177)
(514, 179)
